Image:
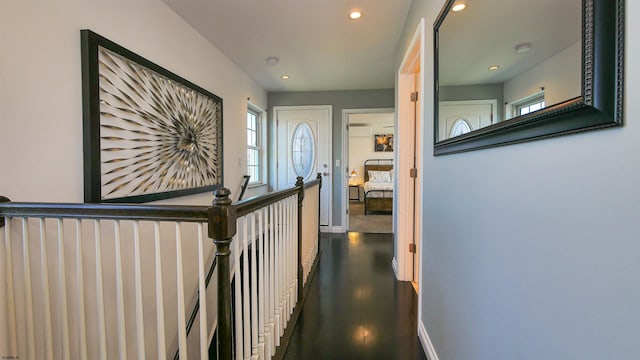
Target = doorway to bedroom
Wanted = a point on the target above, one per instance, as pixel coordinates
(369, 179)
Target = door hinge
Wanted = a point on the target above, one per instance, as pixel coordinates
(414, 96)
(413, 173)
(347, 211)
(412, 248)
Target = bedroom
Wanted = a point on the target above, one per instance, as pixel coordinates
(370, 171)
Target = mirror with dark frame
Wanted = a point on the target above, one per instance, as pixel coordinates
(520, 70)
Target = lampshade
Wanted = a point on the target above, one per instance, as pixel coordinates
(354, 173)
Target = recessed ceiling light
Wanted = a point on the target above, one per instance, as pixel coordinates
(494, 67)
(355, 14)
(458, 7)
(523, 48)
(272, 60)
(284, 77)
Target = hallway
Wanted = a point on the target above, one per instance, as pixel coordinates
(355, 309)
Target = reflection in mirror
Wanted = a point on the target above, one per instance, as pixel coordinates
(498, 60)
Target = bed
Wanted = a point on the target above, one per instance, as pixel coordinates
(378, 186)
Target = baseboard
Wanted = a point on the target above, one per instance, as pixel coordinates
(337, 229)
(425, 341)
(394, 265)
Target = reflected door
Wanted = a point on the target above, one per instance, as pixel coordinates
(304, 149)
(460, 117)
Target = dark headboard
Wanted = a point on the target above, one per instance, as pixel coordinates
(376, 165)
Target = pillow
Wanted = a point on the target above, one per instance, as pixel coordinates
(379, 176)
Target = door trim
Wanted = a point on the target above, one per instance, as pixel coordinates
(325, 184)
(413, 63)
(344, 179)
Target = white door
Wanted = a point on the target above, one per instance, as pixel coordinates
(460, 117)
(304, 149)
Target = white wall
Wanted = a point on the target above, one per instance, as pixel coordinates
(530, 251)
(40, 87)
(559, 76)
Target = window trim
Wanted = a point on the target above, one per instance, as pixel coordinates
(261, 140)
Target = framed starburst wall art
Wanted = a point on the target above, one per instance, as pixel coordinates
(148, 133)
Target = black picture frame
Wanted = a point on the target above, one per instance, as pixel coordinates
(599, 106)
(383, 143)
(177, 123)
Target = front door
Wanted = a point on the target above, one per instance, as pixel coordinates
(304, 149)
(460, 117)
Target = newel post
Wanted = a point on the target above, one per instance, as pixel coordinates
(3, 199)
(222, 228)
(300, 185)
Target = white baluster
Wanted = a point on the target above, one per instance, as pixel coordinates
(44, 263)
(64, 316)
(162, 346)
(182, 325)
(272, 277)
(245, 288)
(254, 288)
(31, 340)
(268, 288)
(102, 330)
(139, 303)
(238, 298)
(122, 334)
(11, 301)
(261, 286)
(202, 296)
(282, 272)
(82, 330)
(278, 274)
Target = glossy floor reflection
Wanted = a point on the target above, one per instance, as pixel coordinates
(355, 309)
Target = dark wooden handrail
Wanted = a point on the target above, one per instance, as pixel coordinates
(185, 213)
(107, 211)
(254, 203)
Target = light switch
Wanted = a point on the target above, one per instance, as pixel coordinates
(337, 163)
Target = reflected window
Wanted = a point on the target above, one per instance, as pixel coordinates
(531, 105)
(460, 127)
(302, 150)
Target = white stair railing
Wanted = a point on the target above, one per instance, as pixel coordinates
(105, 281)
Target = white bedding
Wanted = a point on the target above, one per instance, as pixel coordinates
(378, 186)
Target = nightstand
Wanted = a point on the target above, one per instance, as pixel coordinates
(357, 192)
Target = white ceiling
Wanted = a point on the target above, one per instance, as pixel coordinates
(317, 44)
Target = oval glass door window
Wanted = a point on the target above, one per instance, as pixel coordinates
(460, 127)
(302, 150)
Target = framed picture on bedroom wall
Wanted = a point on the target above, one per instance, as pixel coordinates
(383, 142)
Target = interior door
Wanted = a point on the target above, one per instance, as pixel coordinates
(459, 117)
(304, 149)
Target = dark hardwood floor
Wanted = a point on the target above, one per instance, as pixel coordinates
(355, 309)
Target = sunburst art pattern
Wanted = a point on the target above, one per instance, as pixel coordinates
(156, 135)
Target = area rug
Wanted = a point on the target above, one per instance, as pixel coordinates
(358, 222)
